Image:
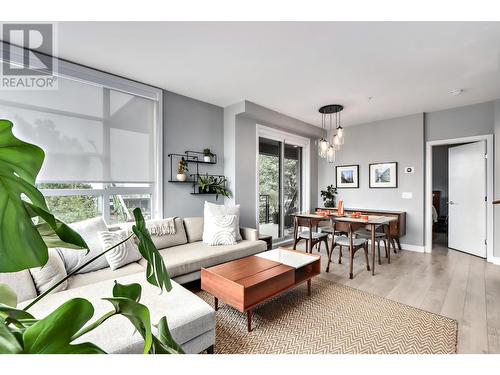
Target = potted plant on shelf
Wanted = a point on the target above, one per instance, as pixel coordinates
(213, 185)
(207, 155)
(182, 168)
(328, 195)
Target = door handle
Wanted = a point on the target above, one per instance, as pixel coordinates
(450, 203)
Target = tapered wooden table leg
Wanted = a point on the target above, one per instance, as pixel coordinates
(216, 303)
(373, 248)
(309, 288)
(249, 320)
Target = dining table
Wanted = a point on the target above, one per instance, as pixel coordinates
(371, 222)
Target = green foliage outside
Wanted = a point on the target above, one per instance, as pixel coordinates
(269, 184)
(72, 208)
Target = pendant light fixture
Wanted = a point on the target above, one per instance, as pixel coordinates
(323, 143)
(330, 121)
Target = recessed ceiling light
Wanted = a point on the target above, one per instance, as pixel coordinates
(456, 92)
(370, 98)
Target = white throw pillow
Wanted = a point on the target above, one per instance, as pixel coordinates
(221, 230)
(52, 272)
(212, 209)
(121, 255)
(73, 259)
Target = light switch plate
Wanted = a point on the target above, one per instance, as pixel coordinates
(407, 195)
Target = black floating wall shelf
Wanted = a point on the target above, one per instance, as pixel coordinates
(196, 158)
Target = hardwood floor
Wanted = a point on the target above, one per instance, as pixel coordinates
(444, 282)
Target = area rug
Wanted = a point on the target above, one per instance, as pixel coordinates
(335, 319)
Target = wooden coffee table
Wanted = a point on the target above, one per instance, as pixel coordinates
(248, 282)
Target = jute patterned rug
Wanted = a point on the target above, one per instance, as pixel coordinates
(335, 319)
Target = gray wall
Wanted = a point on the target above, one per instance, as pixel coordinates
(240, 131)
(189, 124)
(468, 121)
(401, 140)
(407, 147)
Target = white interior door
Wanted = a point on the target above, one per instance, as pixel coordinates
(466, 195)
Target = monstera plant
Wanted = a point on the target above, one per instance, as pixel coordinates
(27, 230)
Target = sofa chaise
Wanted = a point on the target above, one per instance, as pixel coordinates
(191, 320)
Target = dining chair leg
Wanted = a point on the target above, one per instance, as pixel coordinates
(351, 259)
(399, 244)
(329, 260)
(340, 254)
(295, 243)
(319, 247)
(378, 250)
(386, 249)
(365, 248)
(326, 245)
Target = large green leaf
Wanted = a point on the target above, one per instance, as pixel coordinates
(7, 312)
(131, 291)
(53, 231)
(138, 315)
(164, 343)
(21, 246)
(7, 296)
(156, 272)
(53, 334)
(8, 342)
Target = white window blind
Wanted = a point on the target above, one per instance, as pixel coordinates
(89, 132)
(102, 136)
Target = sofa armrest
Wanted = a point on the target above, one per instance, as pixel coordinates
(249, 234)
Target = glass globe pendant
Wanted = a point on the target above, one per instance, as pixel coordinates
(330, 154)
(323, 147)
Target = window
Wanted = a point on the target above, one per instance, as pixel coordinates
(102, 138)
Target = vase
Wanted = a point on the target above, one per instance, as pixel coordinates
(181, 177)
(330, 203)
(207, 159)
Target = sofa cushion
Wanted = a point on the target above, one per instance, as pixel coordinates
(21, 282)
(188, 316)
(79, 280)
(193, 256)
(121, 255)
(52, 272)
(169, 240)
(211, 209)
(88, 229)
(221, 230)
(194, 228)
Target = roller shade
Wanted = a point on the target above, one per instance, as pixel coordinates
(90, 133)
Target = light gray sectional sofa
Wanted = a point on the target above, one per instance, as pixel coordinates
(191, 320)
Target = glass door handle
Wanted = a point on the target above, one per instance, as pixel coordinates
(450, 203)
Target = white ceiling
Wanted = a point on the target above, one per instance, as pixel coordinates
(295, 68)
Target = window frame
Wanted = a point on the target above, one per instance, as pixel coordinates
(87, 75)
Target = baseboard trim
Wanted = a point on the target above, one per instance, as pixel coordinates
(418, 249)
(494, 260)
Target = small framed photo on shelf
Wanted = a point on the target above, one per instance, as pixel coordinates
(347, 176)
(384, 175)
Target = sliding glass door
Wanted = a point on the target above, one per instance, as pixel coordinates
(280, 175)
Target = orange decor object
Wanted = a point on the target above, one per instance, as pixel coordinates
(365, 217)
(340, 207)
